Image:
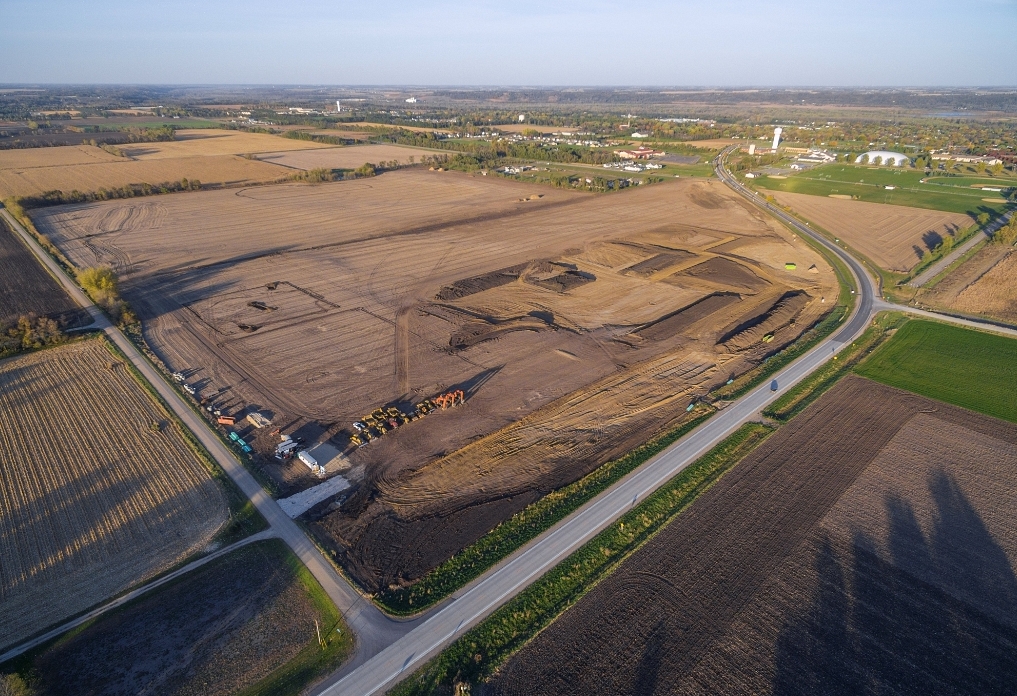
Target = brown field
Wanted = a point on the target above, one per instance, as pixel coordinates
(347, 157)
(894, 237)
(210, 156)
(26, 288)
(994, 292)
(867, 547)
(206, 142)
(219, 630)
(578, 325)
(94, 498)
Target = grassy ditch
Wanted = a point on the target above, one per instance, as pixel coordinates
(526, 525)
(484, 648)
(815, 385)
(244, 517)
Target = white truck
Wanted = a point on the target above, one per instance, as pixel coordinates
(311, 463)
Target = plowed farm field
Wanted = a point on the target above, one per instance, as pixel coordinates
(894, 237)
(98, 491)
(866, 547)
(27, 289)
(210, 156)
(577, 326)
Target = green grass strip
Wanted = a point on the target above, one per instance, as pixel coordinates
(526, 525)
(965, 367)
(487, 646)
(815, 385)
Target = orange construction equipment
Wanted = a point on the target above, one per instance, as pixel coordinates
(452, 398)
(227, 420)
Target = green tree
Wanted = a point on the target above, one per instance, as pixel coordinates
(982, 218)
(980, 167)
(14, 685)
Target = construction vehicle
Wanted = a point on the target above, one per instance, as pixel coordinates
(226, 420)
(356, 441)
(189, 389)
(452, 398)
(178, 376)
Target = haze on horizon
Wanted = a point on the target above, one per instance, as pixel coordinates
(645, 42)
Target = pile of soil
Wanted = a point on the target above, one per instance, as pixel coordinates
(478, 330)
(782, 313)
(676, 322)
(486, 281)
(724, 272)
(659, 262)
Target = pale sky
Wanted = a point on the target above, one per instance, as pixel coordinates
(512, 42)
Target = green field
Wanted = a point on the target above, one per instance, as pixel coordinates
(913, 187)
(968, 368)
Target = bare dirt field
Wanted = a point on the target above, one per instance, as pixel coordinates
(27, 289)
(894, 237)
(867, 547)
(577, 326)
(221, 629)
(97, 490)
(348, 157)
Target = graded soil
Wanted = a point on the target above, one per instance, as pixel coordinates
(316, 304)
(866, 547)
(98, 490)
(894, 237)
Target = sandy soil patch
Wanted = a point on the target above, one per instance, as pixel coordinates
(895, 237)
(27, 158)
(994, 293)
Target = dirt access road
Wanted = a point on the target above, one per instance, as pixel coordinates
(373, 629)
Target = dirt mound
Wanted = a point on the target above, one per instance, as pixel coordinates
(477, 330)
(671, 324)
(659, 262)
(557, 276)
(782, 313)
(724, 272)
(485, 281)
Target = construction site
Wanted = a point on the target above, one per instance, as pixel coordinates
(456, 346)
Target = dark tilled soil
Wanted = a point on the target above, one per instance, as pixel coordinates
(222, 628)
(486, 281)
(27, 289)
(674, 323)
(746, 594)
(659, 262)
(725, 272)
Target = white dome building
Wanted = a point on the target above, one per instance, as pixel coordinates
(895, 159)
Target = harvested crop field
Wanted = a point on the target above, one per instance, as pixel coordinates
(209, 142)
(994, 292)
(120, 171)
(219, 630)
(866, 547)
(26, 288)
(348, 157)
(318, 304)
(97, 490)
(894, 237)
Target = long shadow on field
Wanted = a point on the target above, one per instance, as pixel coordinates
(939, 616)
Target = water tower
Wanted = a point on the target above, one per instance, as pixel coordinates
(338, 108)
(776, 137)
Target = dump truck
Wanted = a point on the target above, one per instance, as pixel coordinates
(226, 420)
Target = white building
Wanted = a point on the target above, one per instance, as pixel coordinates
(411, 100)
(894, 159)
